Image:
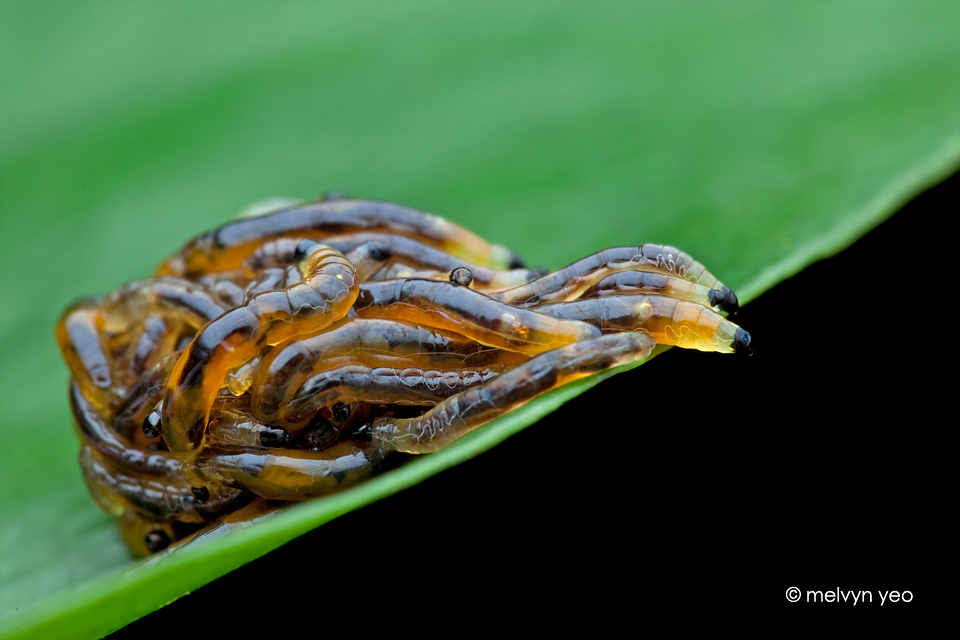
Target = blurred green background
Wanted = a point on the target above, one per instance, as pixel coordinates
(756, 136)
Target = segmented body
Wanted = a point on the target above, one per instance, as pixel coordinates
(292, 355)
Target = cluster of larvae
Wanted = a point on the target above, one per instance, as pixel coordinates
(291, 355)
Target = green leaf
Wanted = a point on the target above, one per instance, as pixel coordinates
(758, 137)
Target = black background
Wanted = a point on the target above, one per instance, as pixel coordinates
(695, 485)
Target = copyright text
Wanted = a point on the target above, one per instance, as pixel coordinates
(848, 596)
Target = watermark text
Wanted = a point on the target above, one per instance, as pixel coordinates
(848, 596)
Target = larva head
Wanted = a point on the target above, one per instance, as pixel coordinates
(461, 276)
(725, 299)
(742, 342)
(304, 249)
(730, 303)
(145, 537)
(503, 258)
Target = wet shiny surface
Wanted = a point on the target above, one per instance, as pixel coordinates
(292, 355)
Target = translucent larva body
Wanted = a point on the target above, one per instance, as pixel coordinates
(225, 248)
(571, 282)
(328, 290)
(295, 354)
(461, 310)
(369, 343)
(381, 385)
(460, 414)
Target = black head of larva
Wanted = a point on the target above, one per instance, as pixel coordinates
(274, 437)
(304, 249)
(516, 262)
(341, 411)
(151, 424)
(461, 276)
(202, 494)
(730, 303)
(742, 342)
(380, 251)
(724, 298)
(157, 540)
